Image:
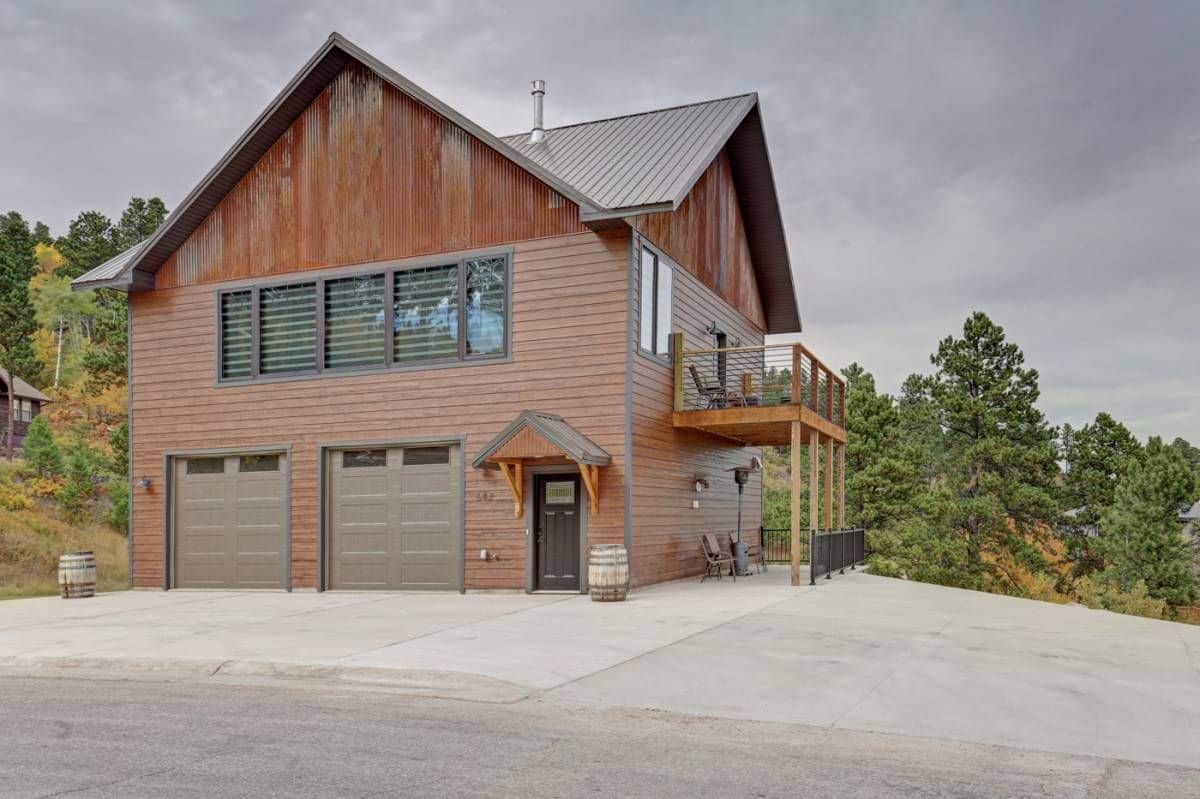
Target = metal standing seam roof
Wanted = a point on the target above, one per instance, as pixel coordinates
(21, 388)
(574, 444)
(610, 168)
(647, 159)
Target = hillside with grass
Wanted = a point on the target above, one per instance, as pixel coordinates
(68, 488)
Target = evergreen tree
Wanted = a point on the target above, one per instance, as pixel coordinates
(39, 450)
(139, 219)
(1190, 454)
(90, 241)
(1142, 536)
(919, 428)
(1002, 455)
(1097, 457)
(118, 439)
(41, 234)
(881, 473)
(17, 323)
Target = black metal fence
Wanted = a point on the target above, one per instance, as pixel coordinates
(835, 549)
(777, 545)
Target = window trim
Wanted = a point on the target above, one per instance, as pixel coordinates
(388, 269)
(661, 261)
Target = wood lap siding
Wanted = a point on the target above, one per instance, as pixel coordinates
(707, 237)
(366, 173)
(666, 460)
(569, 329)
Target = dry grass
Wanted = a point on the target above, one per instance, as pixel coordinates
(31, 541)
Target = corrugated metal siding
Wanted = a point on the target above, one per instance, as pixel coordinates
(644, 159)
(707, 237)
(366, 173)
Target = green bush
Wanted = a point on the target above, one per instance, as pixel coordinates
(117, 516)
(1103, 590)
(118, 439)
(39, 451)
(79, 488)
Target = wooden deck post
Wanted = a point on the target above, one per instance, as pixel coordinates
(814, 468)
(797, 449)
(677, 355)
(841, 464)
(829, 484)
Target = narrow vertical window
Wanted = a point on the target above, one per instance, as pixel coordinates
(287, 323)
(662, 310)
(426, 314)
(487, 306)
(235, 335)
(646, 301)
(354, 331)
(655, 304)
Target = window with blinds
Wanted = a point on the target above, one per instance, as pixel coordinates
(354, 331)
(287, 328)
(425, 306)
(236, 338)
(487, 301)
(398, 317)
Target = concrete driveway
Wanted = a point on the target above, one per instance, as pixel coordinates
(857, 652)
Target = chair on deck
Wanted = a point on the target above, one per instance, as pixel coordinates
(714, 393)
(715, 560)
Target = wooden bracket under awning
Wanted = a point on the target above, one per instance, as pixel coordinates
(542, 438)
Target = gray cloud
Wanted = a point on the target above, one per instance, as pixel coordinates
(1037, 161)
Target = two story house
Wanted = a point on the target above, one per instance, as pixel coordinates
(380, 347)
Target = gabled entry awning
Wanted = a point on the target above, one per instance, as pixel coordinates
(535, 437)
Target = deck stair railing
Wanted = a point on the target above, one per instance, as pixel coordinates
(760, 376)
(831, 550)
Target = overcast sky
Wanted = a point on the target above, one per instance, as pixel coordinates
(1038, 161)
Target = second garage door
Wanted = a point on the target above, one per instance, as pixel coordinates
(394, 518)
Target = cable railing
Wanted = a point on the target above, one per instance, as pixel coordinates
(753, 377)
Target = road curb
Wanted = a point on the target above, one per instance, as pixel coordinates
(461, 686)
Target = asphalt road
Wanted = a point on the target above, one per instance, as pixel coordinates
(85, 739)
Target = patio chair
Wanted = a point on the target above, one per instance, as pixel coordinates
(715, 560)
(714, 393)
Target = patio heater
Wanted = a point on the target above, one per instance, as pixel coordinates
(741, 476)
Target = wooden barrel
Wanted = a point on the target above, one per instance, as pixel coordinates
(608, 573)
(77, 574)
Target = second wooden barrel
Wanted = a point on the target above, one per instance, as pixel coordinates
(77, 574)
(608, 573)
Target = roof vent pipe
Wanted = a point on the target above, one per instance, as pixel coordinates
(539, 91)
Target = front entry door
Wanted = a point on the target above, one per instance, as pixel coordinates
(556, 550)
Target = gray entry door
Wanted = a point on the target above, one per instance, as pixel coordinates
(394, 518)
(556, 555)
(230, 524)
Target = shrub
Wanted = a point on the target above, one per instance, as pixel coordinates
(39, 451)
(117, 516)
(1102, 590)
(79, 488)
(118, 439)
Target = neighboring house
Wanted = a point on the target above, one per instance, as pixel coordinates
(1191, 533)
(379, 347)
(27, 404)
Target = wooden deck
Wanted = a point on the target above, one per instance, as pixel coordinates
(769, 425)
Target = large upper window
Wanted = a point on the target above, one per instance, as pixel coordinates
(415, 316)
(655, 302)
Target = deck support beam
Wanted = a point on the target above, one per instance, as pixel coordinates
(841, 465)
(797, 448)
(814, 469)
(829, 484)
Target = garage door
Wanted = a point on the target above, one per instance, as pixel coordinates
(394, 518)
(230, 521)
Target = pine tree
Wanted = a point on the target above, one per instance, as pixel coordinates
(1001, 451)
(39, 450)
(881, 474)
(1097, 456)
(17, 323)
(1142, 536)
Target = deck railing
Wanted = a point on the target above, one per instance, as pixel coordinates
(834, 549)
(746, 377)
(777, 545)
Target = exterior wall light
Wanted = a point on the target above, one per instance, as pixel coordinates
(144, 483)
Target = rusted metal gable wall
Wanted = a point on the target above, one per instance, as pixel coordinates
(364, 174)
(706, 235)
